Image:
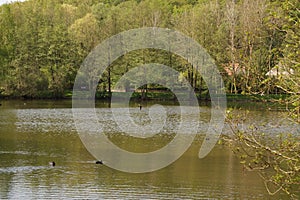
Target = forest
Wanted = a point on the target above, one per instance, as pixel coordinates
(255, 43)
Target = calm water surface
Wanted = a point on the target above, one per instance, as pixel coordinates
(33, 133)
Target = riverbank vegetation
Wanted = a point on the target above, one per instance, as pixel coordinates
(255, 43)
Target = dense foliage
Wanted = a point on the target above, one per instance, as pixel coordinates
(43, 42)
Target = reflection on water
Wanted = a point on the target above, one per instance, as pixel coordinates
(34, 134)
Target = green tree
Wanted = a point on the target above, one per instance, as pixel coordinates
(276, 159)
(7, 32)
(290, 82)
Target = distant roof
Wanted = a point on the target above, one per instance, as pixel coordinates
(235, 68)
(280, 70)
(9, 1)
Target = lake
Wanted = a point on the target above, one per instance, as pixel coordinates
(34, 133)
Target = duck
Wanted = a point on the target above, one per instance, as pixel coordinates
(99, 162)
(52, 163)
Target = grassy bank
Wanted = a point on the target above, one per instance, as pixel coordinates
(157, 96)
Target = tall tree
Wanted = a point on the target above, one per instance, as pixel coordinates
(231, 14)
